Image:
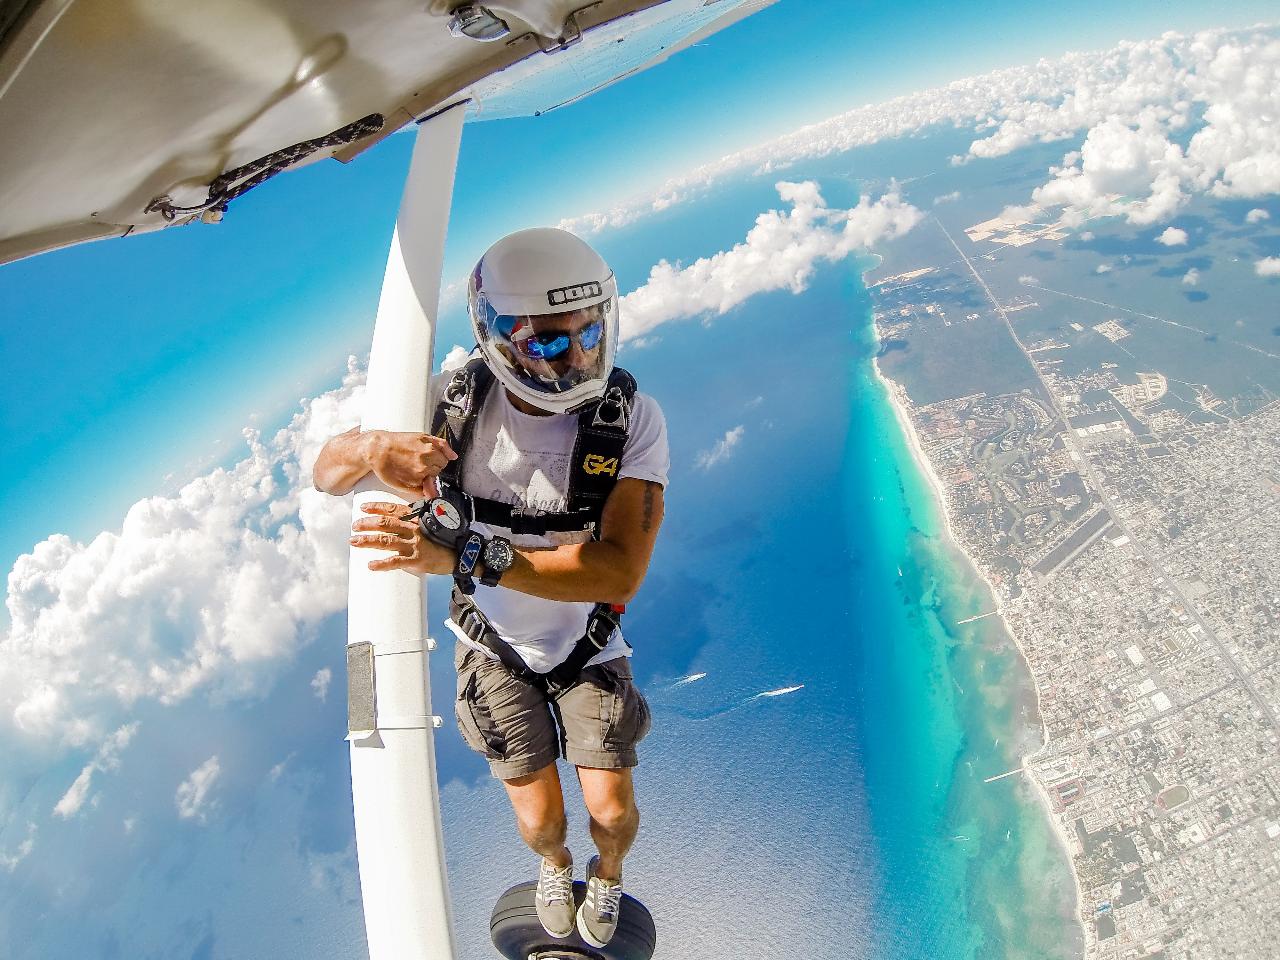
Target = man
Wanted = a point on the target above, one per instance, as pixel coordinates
(566, 465)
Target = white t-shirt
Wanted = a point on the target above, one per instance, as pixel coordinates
(523, 459)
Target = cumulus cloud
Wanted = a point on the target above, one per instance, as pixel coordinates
(320, 682)
(1173, 237)
(214, 589)
(455, 358)
(779, 253)
(1267, 267)
(951, 197)
(192, 796)
(1256, 215)
(107, 759)
(1137, 104)
(721, 450)
(1027, 279)
(1130, 110)
(1191, 277)
(1103, 268)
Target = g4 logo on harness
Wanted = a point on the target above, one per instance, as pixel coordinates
(596, 465)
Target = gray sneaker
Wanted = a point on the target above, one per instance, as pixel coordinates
(554, 899)
(598, 915)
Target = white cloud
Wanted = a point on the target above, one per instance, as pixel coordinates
(951, 197)
(1019, 214)
(1267, 267)
(1172, 237)
(1217, 91)
(1086, 236)
(10, 861)
(455, 358)
(1191, 277)
(192, 796)
(214, 589)
(1103, 268)
(107, 759)
(1256, 215)
(778, 253)
(320, 682)
(76, 794)
(722, 449)
(1027, 278)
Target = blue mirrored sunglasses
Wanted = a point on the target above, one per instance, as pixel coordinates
(550, 343)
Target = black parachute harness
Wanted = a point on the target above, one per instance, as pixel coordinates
(593, 471)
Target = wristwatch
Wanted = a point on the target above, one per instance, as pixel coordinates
(498, 558)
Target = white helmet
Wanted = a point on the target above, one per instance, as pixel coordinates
(534, 296)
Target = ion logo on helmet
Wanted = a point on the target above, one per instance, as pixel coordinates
(582, 291)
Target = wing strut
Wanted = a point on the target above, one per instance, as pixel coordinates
(399, 841)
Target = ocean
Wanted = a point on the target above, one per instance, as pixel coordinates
(823, 724)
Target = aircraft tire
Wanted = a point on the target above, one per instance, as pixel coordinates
(517, 934)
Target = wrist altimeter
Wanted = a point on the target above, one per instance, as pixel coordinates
(498, 557)
(446, 520)
(442, 519)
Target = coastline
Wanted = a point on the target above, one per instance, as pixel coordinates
(900, 405)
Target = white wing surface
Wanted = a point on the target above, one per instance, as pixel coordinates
(117, 116)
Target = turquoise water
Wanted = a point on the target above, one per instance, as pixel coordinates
(971, 869)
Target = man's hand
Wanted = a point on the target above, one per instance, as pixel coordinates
(408, 463)
(384, 529)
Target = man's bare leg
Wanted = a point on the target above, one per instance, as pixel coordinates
(615, 820)
(538, 803)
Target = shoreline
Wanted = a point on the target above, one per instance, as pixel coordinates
(899, 403)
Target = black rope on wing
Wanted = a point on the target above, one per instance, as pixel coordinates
(234, 183)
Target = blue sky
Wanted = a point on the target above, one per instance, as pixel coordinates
(129, 365)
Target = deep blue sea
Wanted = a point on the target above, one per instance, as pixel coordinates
(819, 791)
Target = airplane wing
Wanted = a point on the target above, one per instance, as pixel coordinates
(125, 116)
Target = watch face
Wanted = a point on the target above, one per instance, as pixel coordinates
(444, 513)
(498, 555)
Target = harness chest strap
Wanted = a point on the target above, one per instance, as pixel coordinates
(597, 453)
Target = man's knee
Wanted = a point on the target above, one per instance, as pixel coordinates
(615, 817)
(609, 796)
(544, 830)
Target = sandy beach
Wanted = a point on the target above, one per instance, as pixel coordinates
(901, 408)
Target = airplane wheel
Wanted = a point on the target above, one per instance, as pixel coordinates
(518, 935)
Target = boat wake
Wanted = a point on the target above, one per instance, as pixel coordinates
(739, 704)
(775, 693)
(685, 681)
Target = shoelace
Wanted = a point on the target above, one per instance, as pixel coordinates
(556, 884)
(608, 899)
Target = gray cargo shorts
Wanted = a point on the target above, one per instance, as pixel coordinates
(519, 731)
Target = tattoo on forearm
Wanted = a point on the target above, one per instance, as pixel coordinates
(647, 523)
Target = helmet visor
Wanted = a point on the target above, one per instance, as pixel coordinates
(554, 352)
